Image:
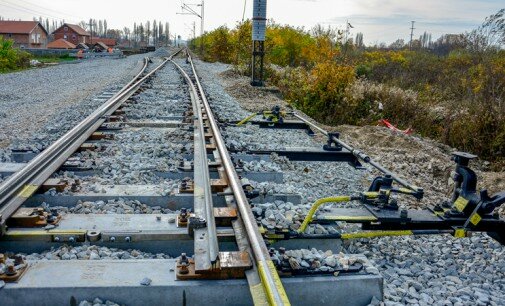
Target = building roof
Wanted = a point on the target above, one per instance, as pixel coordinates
(60, 44)
(102, 45)
(77, 29)
(18, 27)
(110, 42)
(82, 46)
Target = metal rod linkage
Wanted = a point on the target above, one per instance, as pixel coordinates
(362, 156)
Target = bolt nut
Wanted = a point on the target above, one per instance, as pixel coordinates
(71, 239)
(183, 268)
(56, 239)
(11, 270)
(403, 213)
(112, 239)
(127, 239)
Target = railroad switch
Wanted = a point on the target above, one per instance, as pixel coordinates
(182, 218)
(239, 164)
(101, 135)
(185, 166)
(113, 118)
(224, 215)
(467, 212)
(88, 147)
(188, 116)
(211, 146)
(219, 185)
(187, 186)
(111, 126)
(231, 265)
(249, 190)
(275, 115)
(73, 164)
(33, 217)
(53, 183)
(12, 267)
(119, 112)
(195, 223)
(331, 143)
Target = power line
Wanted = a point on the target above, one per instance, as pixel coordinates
(24, 9)
(49, 9)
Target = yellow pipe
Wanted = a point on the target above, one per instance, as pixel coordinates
(316, 205)
(247, 119)
(348, 218)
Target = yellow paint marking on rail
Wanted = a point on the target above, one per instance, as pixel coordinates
(277, 281)
(258, 295)
(27, 191)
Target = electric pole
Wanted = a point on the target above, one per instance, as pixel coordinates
(259, 24)
(411, 34)
(187, 10)
(91, 30)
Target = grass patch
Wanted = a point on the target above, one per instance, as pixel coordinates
(54, 58)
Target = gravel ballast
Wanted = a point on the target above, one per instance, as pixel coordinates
(41, 104)
(420, 270)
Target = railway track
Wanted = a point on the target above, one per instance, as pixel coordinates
(156, 199)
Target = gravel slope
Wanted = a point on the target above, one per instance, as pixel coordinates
(31, 98)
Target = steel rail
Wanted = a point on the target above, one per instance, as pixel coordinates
(362, 156)
(21, 185)
(202, 189)
(268, 273)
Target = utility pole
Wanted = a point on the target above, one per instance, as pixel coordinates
(91, 30)
(259, 23)
(187, 10)
(411, 34)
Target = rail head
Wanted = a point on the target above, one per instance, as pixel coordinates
(203, 204)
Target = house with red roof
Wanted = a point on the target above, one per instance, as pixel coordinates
(109, 42)
(60, 44)
(25, 34)
(72, 33)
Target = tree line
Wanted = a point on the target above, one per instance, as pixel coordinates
(149, 32)
(451, 89)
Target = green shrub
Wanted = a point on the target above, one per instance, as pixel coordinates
(458, 99)
(12, 59)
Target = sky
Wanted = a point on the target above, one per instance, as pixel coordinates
(378, 20)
